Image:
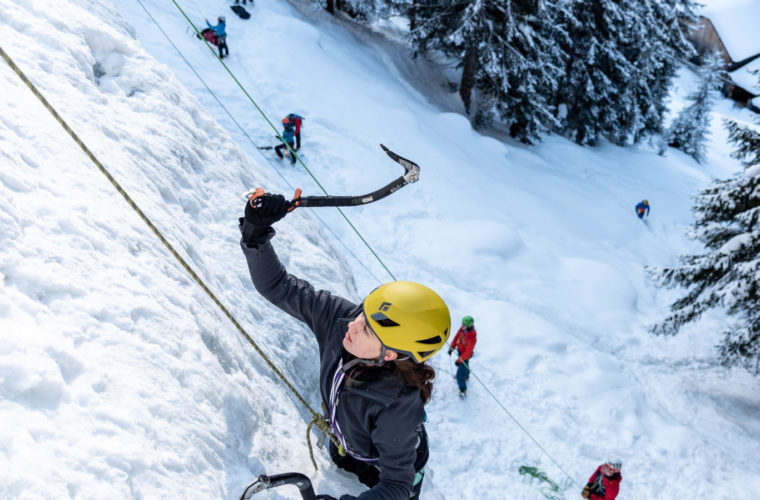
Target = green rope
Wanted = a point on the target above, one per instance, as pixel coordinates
(266, 118)
(247, 136)
(525, 431)
(321, 423)
(317, 419)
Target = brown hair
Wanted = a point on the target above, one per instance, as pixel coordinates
(419, 375)
(416, 375)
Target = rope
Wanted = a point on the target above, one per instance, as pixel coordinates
(323, 426)
(317, 419)
(522, 428)
(242, 129)
(266, 118)
(320, 421)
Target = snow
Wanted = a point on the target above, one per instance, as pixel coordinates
(120, 377)
(736, 243)
(736, 23)
(748, 76)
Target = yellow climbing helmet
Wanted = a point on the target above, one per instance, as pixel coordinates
(409, 318)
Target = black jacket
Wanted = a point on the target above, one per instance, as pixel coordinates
(379, 417)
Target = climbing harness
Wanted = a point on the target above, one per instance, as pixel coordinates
(338, 379)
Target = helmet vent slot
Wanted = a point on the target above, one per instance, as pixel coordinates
(383, 320)
(432, 340)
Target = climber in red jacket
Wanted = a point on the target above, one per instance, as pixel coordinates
(604, 483)
(464, 342)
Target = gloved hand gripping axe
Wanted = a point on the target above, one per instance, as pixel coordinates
(411, 174)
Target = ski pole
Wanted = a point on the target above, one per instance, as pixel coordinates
(411, 174)
(265, 482)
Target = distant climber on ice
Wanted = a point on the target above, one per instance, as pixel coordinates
(464, 343)
(297, 121)
(642, 208)
(221, 35)
(288, 130)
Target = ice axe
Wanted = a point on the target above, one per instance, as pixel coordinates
(270, 147)
(265, 482)
(411, 174)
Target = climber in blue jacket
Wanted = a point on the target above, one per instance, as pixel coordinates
(642, 208)
(221, 35)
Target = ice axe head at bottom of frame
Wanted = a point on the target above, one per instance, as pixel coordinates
(302, 482)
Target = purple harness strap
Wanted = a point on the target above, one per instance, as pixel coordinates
(337, 383)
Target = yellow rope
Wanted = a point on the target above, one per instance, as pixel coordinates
(316, 419)
(321, 423)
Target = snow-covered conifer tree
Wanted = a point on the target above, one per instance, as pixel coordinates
(690, 129)
(506, 52)
(361, 10)
(589, 92)
(747, 141)
(656, 46)
(533, 64)
(622, 58)
(463, 32)
(728, 274)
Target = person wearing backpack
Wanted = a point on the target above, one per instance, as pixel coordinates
(373, 376)
(288, 129)
(297, 121)
(464, 342)
(221, 35)
(642, 208)
(604, 483)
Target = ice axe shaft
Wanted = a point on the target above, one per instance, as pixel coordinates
(411, 174)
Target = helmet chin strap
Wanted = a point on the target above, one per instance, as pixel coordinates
(380, 361)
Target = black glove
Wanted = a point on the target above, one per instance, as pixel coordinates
(451, 350)
(325, 497)
(265, 210)
(261, 211)
(458, 362)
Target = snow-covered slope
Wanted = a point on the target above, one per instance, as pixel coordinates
(121, 377)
